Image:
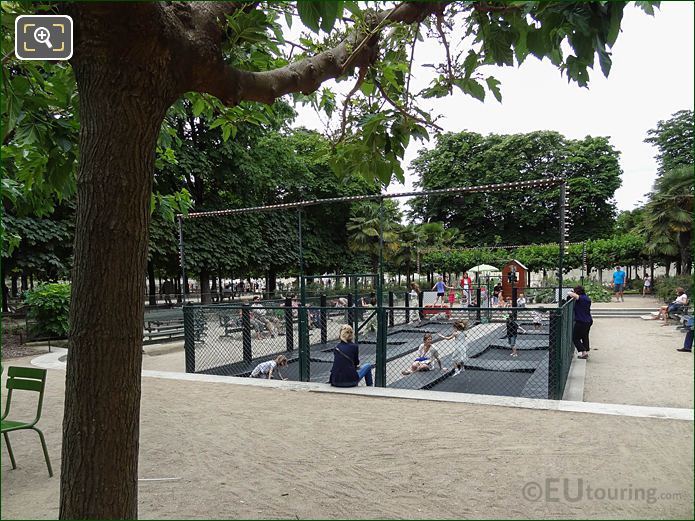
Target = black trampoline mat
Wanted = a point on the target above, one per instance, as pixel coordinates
(483, 382)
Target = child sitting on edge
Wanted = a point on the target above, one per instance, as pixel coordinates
(265, 369)
(513, 329)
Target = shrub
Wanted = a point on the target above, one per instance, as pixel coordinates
(665, 287)
(596, 292)
(636, 284)
(49, 307)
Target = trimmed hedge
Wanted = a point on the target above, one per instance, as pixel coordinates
(49, 307)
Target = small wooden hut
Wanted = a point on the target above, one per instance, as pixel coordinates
(519, 271)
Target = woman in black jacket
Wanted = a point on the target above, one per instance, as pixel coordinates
(346, 370)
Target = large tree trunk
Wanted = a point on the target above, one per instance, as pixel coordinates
(13, 284)
(122, 105)
(272, 283)
(151, 282)
(204, 286)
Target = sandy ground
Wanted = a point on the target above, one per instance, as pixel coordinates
(634, 361)
(248, 452)
(257, 453)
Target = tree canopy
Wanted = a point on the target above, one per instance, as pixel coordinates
(673, 139)
(133, 61)
(589, 165)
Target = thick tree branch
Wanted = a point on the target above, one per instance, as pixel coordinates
(359, 49)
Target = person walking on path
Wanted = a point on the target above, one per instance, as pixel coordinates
(166, 290)
(618, 284)
(647, 288)
(582, 321)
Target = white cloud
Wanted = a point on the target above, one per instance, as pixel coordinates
(651, 78)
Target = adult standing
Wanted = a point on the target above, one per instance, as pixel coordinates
(166, 290)
(582, 321)
(496, 294)
(465, 284)
(619, 284)
(346, 370)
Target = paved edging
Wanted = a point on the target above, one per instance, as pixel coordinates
(51, 361)
(574, 387)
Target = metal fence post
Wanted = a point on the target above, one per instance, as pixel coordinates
(380, 370)
(189, 341)
(289, 325)
(246, 332)
(407, 307)
(350, 309)
(391, 322)
(323, 319)
(303, 344)
(420, 301)
(478, 298)
(554, 336)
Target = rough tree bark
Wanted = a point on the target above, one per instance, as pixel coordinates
(124, 95)
(131, 62)
(204, 286)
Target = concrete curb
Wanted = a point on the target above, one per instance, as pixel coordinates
(574, 388)
(52, 361)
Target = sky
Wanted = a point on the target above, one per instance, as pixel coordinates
(651, 78)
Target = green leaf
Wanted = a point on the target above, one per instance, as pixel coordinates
(471, 87)
(648, 7)
(309, 14)
(616, 16)
(367, 88)
(494, 85)
(198, 107)
(604, 58)
(470, 63)
(330, 11)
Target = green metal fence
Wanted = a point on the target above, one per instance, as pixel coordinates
(233, 339)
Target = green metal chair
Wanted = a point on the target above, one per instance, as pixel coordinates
(25, 379)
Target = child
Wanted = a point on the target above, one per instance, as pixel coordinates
(426, 356)
(460, 345)
(537, 319)
(265, 369)
(512, 331)
(452, 297)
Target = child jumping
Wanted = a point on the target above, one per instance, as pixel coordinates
(265, 369)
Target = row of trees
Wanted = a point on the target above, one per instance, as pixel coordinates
(665, 221)
(135, 63)
(271, 164)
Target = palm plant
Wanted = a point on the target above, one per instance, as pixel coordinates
(668, 222)
(364, 227)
